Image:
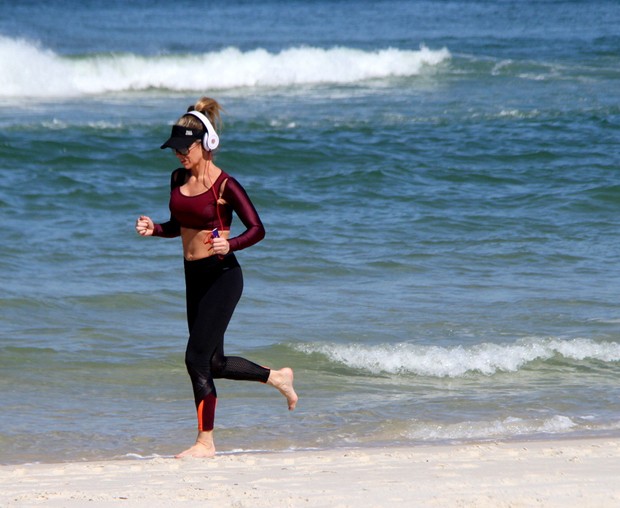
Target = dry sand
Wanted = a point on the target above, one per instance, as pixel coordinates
(573, 473)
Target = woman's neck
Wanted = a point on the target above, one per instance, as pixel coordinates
(205, 172)
(202, 167)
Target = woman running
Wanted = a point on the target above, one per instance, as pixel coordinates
(202, 201)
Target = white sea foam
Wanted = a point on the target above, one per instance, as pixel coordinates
(28, 70)
(486, 358)
(507, 427)
(137, 456)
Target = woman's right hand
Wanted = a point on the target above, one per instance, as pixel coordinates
(144, 226)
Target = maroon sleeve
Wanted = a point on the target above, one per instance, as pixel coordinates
(235, 195)
(172, 228)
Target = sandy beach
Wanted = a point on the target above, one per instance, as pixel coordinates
(567, 473)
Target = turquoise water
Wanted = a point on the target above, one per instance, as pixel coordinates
(440, 186)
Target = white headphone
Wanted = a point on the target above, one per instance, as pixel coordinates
(210, 141)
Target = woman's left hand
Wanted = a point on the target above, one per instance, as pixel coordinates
(220, 246)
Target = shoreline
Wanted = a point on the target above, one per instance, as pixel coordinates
(574, 472)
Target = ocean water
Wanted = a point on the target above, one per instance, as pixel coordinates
(440, 183)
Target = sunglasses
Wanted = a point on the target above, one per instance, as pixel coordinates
(183, 151)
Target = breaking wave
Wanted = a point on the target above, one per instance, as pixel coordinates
(28, 70)
(487, 358)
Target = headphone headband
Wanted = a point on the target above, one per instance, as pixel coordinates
(210, 141)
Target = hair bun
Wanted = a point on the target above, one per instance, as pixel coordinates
(211, 109)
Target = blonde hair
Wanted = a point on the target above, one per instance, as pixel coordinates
(208, 107)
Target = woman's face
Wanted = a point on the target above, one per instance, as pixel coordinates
(193, 156)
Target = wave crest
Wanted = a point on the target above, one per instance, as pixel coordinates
(435, 361)
(47, 74)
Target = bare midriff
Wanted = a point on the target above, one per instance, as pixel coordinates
(197, 243)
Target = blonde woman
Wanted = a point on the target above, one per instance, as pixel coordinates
(202, 201)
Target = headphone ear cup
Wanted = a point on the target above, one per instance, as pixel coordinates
(210, 139)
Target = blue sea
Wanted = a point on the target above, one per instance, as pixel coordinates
(439, 181)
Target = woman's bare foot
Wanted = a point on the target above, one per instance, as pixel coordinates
(283, 380)
(203, 448)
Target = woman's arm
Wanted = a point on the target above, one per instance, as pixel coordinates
(170, 229)
(237, 197)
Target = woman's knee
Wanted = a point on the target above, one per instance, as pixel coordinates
(218, 365)
(195, 361)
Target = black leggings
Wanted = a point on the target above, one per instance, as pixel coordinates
(213, 288)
